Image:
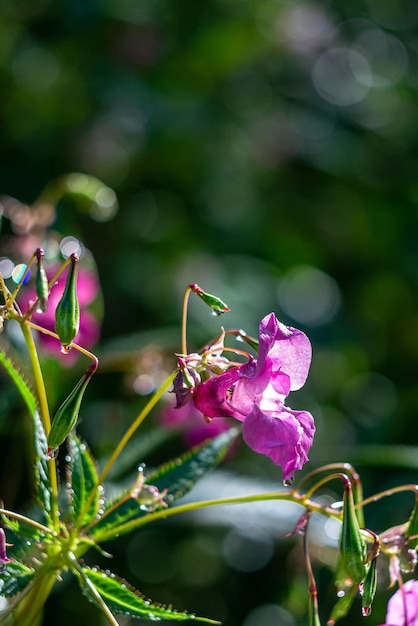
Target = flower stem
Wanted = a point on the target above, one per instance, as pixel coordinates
(290, 496)
(135, 425)
(184, 320)
(45, 417)
(127, 436)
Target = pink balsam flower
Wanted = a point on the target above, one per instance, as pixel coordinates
(254, 393)
(403, 606)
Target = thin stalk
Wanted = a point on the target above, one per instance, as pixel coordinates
(45, 417)
(76, 346)
(127, 436)
(184, 320)
(98, 598)
(27, 520)
(291, 496)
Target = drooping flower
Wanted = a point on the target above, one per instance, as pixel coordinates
(403, 606)
(255, 392)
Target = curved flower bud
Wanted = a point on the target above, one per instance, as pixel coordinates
(218, 307)
(66, 417)
(67, 313)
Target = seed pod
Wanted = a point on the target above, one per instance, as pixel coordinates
(41, 281)
(67, 313)
(218, 307)
(369, 589)
(352, 546)
(66, 417)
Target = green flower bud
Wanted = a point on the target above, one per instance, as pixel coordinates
(66, 417)
(218, 307)
(412, 526)
(41, 281)
(369, 589)
(352, 546)
(67, 313)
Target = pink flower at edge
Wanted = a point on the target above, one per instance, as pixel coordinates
(404, 600)
(254, 393)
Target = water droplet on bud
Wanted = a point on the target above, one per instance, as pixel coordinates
(52, 454)
(65, 349)
(366, 610)
(289, 482)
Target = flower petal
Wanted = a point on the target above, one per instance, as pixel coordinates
(211, 397)
(288, 348)
(285, 437)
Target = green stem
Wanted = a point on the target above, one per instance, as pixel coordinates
(27, 520)
(29, 609)
(45, 417)
(96, 595)
(184, 320)
(135, 425)
(126, 437)
(291, 496)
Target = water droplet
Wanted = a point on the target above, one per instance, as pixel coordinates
(289, 482)
(340, 593)
(52, 453)
(68, 458)
(65, 349)
(366, 610)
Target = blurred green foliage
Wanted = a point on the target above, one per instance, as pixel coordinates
(266, 150)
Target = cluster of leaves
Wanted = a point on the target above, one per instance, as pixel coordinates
(88, 518)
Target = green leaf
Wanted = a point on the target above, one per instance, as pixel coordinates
(179, 476)
(121, 597)
(173, 480)
(22, 386)
(42, 487)
(82, 478)
(14, 578)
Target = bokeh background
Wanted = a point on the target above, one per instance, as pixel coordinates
(267, 150)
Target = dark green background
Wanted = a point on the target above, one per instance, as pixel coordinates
(266, 150)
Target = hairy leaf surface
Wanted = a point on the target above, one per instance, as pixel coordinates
(82, 479)
(14, 578)
(173, 480)
(121, 597)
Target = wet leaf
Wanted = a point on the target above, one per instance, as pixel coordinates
(14, 578)
(81, 478)
(121, 597)
(175, 478)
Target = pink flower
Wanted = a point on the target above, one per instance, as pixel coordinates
(254, 393)
(403, 606)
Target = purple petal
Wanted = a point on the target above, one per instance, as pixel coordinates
(212, 396)
(285, 437)
(405, 598)
(288, 348)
